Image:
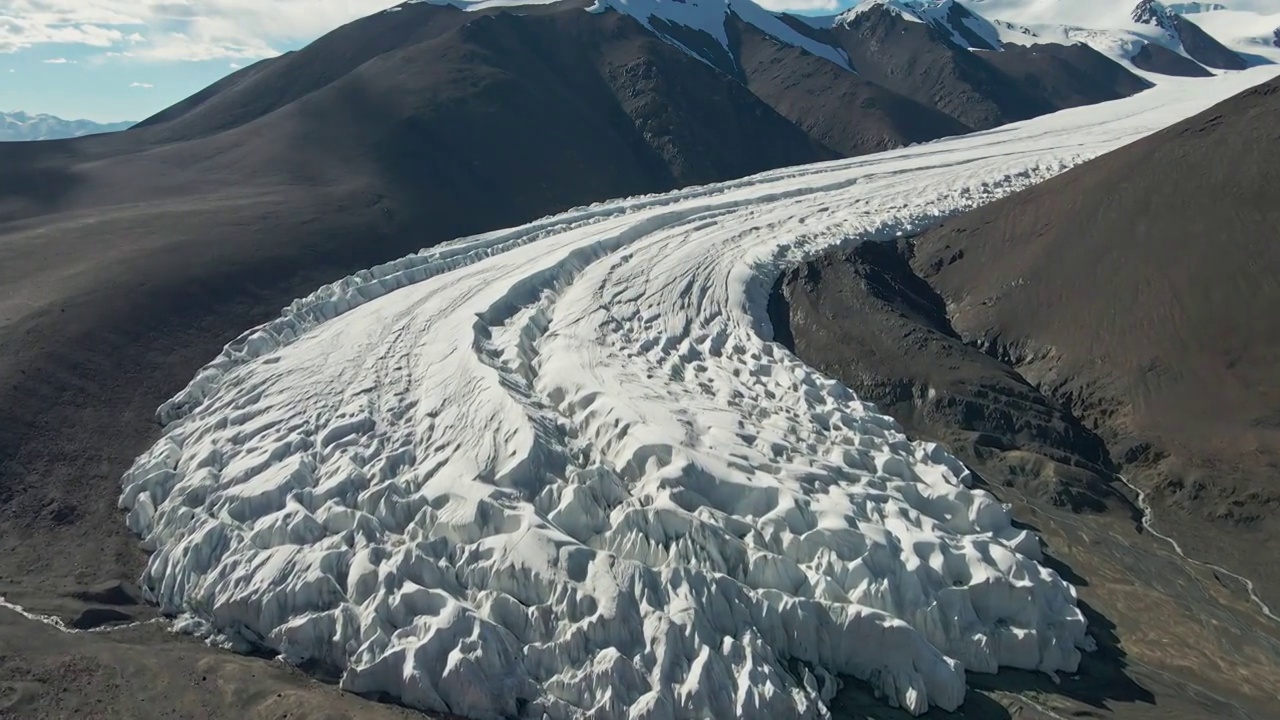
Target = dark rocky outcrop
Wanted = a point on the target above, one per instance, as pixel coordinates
(866, 318)
(1157, 58)
(842, 110)
(1197, 43)
(980, 89)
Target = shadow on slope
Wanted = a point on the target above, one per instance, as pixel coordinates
(36, 178)
(1101, 683)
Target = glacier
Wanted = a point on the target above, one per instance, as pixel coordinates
(562, 471)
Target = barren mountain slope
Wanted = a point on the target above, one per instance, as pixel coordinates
(1123, 303)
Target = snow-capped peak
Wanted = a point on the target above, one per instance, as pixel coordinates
(23, 126)
(704, 16)
(1152, 12)
(710, 17)
(895, 6)
(953, 20)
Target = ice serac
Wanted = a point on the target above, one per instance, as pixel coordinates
(562, 471)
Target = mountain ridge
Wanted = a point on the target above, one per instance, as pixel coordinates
(19, 126)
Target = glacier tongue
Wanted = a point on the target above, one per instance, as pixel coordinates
(562, 471)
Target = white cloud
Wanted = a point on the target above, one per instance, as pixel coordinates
(19, 33)
(168, 30)
(144, 86)
(59, 61)
(197, 30)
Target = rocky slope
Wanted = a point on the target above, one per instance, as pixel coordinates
(865, 317)
(1113, 319)
(1110, 324)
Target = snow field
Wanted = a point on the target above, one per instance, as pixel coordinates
(562, 471)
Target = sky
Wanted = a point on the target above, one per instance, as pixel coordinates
(115, 60)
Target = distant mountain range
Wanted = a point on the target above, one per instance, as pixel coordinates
(25, 126)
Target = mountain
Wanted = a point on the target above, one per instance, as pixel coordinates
(1156, 58)
(1180, 383)
(1197, 44)
(23, 126)
(1149, 35)
(944, 56)
(1114, 319)
(1101, 350)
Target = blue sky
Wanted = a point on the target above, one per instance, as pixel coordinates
(112, 60)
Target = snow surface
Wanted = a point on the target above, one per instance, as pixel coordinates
(1246, 26)
(1109, 27)
(562, 471)
(1248, 33)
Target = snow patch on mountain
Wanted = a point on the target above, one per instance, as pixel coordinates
(1253, 35)
(903, 8)
(704, 16)
(561, 470)
(949, 17)
(1119, 29)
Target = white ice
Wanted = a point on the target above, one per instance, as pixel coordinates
(562, 470)
(1105, 25)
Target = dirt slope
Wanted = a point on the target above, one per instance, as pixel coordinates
(1139, 290)
(1116, 318)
